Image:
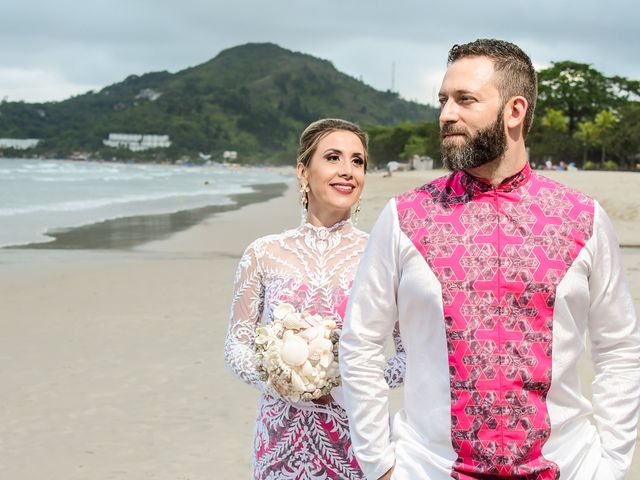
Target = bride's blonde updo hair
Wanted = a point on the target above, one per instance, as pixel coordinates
(319, 129)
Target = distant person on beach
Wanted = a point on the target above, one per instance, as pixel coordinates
(311, 268)
(496, 275)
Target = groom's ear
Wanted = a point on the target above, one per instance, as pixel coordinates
(516, 111)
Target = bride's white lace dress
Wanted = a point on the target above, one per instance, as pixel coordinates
(312, 268)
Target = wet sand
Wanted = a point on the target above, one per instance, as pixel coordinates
(128, 232)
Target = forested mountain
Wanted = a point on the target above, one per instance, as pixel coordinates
(254, 99)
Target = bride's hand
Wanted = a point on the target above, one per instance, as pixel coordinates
(278, 387)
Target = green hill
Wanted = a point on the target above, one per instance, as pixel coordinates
(254, 98)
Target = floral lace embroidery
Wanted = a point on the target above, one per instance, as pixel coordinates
(312, 268)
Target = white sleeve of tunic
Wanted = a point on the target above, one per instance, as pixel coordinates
(370, 320)
(615, 349)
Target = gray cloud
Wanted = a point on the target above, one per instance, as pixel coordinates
(67, 46)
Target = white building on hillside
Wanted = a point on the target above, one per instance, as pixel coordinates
(230, 155)
(19, 143)
(149, 94)
(137, 142)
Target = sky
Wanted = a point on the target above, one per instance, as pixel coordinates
(53, 49)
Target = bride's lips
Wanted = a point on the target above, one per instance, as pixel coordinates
(343, 188)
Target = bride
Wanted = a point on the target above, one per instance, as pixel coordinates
(310, 267)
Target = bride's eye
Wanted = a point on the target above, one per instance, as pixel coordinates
(333, 157)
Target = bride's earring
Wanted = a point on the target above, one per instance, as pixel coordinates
(304, 201)
(356, 212)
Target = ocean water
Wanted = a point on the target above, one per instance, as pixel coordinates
(41, 195)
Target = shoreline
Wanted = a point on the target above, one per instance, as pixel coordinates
(128, 232)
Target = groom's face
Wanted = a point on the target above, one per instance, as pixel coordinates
(471, 116)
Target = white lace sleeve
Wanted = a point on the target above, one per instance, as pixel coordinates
(246, 310)
(396, 364)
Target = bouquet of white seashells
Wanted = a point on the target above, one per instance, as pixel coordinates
(297, 353)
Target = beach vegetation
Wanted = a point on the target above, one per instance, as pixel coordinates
(623, 141)
(555, 119)
(403, 141)
(584, 116)
(580, 91)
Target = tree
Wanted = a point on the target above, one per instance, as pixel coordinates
(604, 123)
(623, 142)
(555, 119)
(404, 141)
(586, 133)
(549, 139)
(416, 145)
(580, 91)
(388, 143)
(596, 132)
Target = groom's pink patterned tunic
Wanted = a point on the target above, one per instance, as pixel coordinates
(498, 255)
(499, 259)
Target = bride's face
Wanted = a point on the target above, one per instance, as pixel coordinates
(335, 174)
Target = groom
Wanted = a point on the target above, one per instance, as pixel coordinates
(496, 275)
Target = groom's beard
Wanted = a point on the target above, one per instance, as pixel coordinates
(486, 145)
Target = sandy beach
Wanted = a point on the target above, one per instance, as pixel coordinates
(111, 357)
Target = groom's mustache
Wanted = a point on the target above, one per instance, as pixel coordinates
(450, 129)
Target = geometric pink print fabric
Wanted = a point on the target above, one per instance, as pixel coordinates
(499, 254)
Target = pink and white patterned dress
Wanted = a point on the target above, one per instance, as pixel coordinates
(311, 268)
